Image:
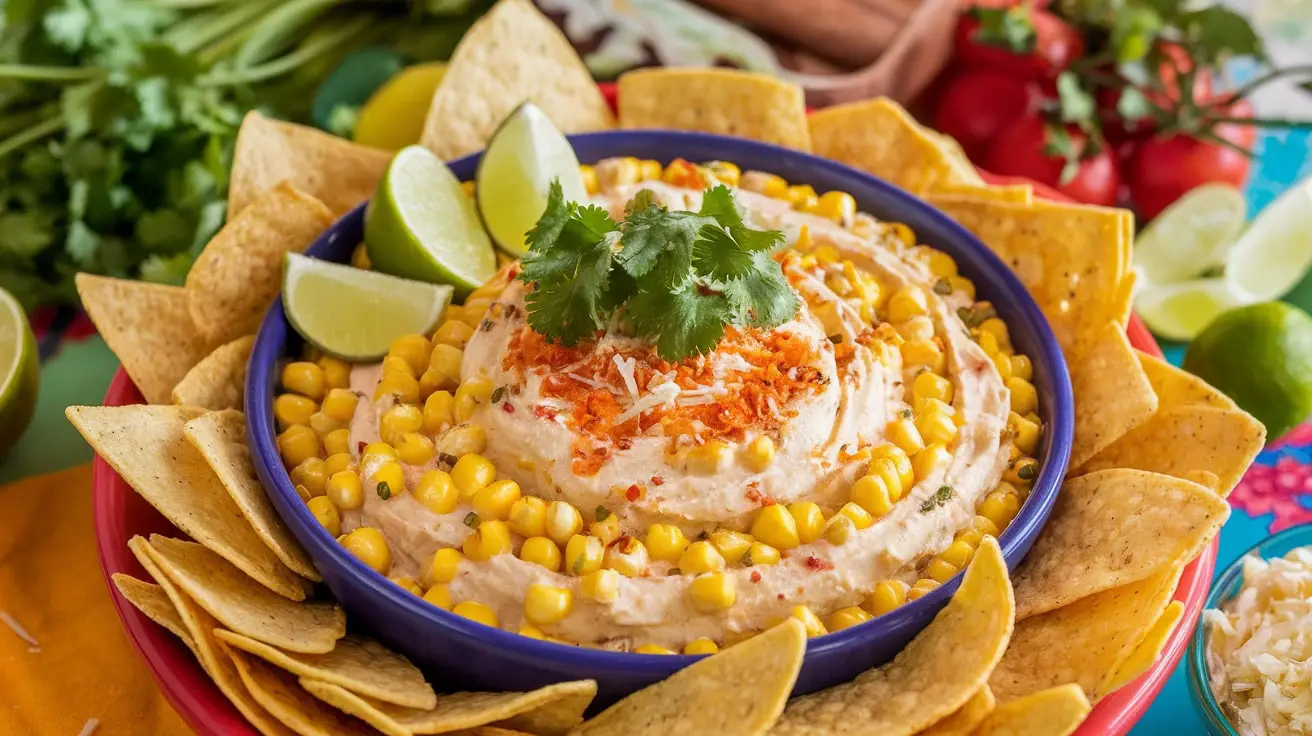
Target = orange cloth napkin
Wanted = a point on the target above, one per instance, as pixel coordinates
(51, 585)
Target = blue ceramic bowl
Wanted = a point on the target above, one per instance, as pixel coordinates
(473, 656)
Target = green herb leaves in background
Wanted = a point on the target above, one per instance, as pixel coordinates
(681, 277)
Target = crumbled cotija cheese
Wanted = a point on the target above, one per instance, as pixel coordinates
(1259, 648)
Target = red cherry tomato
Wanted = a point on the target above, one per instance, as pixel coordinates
(976, 106)
(1018, 151)
(1056, 45)
(1162, 169)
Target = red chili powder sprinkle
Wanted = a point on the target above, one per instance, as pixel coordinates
(756, 576)
(816, 563)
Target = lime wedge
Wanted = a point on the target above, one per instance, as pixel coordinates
(524, 155)
(1180, 311)
(21, 372)
(1275, 251)
(421, 225)
(356, 314)
(1190, 236)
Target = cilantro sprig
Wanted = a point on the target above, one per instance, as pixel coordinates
(676, 279)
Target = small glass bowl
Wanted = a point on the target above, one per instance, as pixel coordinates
(1226, 587)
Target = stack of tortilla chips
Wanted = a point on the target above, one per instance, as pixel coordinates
(1090, 608)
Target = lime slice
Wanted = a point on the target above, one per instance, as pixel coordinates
(1260, 356)
(1190, 236)
(1275, 251)
(524, 155)
(356, 314)
(421, 225)
(22, 372)
(1180, 311)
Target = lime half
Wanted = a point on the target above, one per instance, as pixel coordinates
(356, 314)
(1190, 236)
(524, 155)
(21, 372)
(421, 225)
(1180, 311)
(1275, 251)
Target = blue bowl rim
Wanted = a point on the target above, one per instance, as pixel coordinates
(1020, 534)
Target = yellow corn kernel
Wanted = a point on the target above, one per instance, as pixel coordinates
(414, 350)
(732, 545)
(838, 530)
(336, 463)
(462, 439)
(439, 596)
(305, 378)
(475, 611)
(936, 427)
(700, 557)
(902, 432)
(958, 554)
(988, 343)
(360, 258)
(297, 444)
(1022, 471)
(649, 170)
(403, 387)
(322, 424)
(495, 500)
(809, 520)
(563, 522)
(963, 285)
(814, 627)
(444, 565)
(471, 473)
(336, 372)
(759, 453)
(928, 385)
(407, 584)
(326, 513)
(930, 459)
(837, 206)
(1024, 433)
(985, 526)
(437, 492)
(528, 517)
(446, 360)
(583, 555)
(940, 570)
(889, 476)
(614, 172)
(453, 333)
(1022, 368)
(602, 586)
(775, 526)
(1000, 507)
(470, 396)
(802, 197)
(924, 353)
(845, 618)
(922, 588)
(310, 473)
(917, 328)
(627, 556)
(337, 442)
(541, 551)
(398, 421)
(606, 527)
(761, 554)
(971, 537)
(533, 632)
(940, 263)
(291, 409)
(996, 327)
(490, 538)
(713, 592)
(377, 449)
(547, 604)
(390, 479)
(901, 463)
(861, 519)
(473, 312)
(415, 448)
(370, 547)
(907, 302)
(871, 493)
(761, 182)
(439, 411)
(653, 649)
(665, 542)
(1003, 364)
(589, 175)
(887, 595)
(1024, 399)
(726, 172)
(708, 458)
(701, 646)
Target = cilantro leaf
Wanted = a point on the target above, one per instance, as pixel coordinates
(716, 255)
(658, 243)
(568, 307)
(756, 240)
(764, 296)
(680, 324)
(552, 221)
(718, 202)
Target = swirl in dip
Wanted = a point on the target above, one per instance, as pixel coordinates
(829, 468)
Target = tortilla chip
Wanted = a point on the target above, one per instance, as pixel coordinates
(244, 606)
(879, 137)
(936, 674)
(360, 665)
(220, 437)
(740, 690)
(958, 162)
(1056, 711)
(151, 600)
(239, 273)
(1204, 478)
(511, 55)
(1149, 650)
(1123, 305)
(464, 710)
(951, 191)
(279, 694)
(218, 381)
(339, 173)
(1186, 439)
(1112, 394)
(1084, 642)
(1178, 387)
(723, 101)
(963, 720)
(145, 445)
(201, 626)
(1111, 528)
(149, 329)
(1068, 256)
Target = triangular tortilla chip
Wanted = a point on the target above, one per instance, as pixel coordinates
(218, 381)
(1112, 394)
(723, 101)
(963, 720)
(1185, 439)
(1111, 528)
(1177, 387)
(151, 600)
(513, 54)
(149, 329)
(220, 437)
(953, 191)
(279, 694)
(1123, 305)
(239, 273)
(146, 446)
(936, 674)
(1057, 711)
(334, 170)
(1144, 655)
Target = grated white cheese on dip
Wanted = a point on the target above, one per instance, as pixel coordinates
(1259, 648)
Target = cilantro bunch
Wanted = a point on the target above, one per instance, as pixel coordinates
(676, 279)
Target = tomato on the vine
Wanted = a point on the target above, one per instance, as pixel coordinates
(975, 106)
(1163, 168)
(1056, 45)
(1020, 151)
